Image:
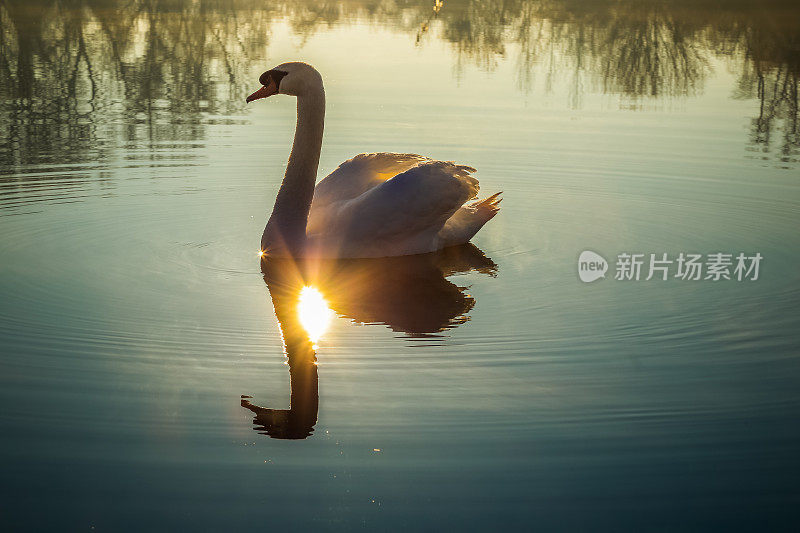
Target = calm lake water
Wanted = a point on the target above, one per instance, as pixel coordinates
(480, 389)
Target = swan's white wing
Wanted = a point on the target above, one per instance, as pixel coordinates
(353, 178)
(361, 173)
(405, 213)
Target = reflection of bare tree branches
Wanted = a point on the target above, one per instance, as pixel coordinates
(75, 64)
(478, 32)
(640, 49)
(634, 48)
(776, 90)
(67, 66)
(652, 56)
(770, 74)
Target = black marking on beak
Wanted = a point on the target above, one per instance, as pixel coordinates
(275, 75)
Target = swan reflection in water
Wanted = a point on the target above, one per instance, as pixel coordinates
(409, 294)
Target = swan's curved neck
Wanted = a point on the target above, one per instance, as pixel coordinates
(290, 214)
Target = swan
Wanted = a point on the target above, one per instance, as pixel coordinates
(373, 205)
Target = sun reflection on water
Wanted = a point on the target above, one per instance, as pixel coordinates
(314, 313)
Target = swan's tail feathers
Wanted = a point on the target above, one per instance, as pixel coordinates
(466, 222)
(488, 207)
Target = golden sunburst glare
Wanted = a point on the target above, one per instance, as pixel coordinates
(314, 313)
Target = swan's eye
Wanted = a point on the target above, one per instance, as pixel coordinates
(273, 76)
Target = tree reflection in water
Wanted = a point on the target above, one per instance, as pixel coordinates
(75, 72)
(409, 294)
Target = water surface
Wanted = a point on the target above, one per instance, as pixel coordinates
(480, 388)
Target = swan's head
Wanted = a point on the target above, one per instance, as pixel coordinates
(295, 79)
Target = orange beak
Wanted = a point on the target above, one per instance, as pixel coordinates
(263, 92)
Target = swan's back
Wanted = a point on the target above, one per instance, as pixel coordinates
(388, 204)
(360, 174)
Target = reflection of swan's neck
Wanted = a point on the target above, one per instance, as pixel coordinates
(290, 214)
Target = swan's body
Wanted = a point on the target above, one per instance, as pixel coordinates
(374, 205)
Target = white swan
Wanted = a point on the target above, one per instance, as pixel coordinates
(374, 205)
